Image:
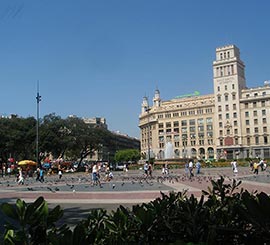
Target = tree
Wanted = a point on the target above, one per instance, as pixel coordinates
(127, 155)
(17, 137)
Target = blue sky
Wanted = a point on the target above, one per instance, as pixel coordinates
(99, 58)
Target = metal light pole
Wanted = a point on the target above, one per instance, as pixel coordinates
(38, 98)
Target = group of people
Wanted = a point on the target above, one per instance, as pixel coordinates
(255, 166)
(95, 170)
(148, 169)
(189, 167)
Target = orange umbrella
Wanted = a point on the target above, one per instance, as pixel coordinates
(27, 162)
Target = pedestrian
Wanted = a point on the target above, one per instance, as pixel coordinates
(256, 168)
(60, 173)
(190, 168)
(234, 166)
(38, 174)
(95, 175)
(145, 168)
(261, 163)
(41, 175)
(150, 170)
(9, 171)
(198, 167)
(20, 178)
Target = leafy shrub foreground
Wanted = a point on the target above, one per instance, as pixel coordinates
(221, 216)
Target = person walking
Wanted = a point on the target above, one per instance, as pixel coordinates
(41, 175)
(190, 168)
(198, 167)
(234, 166)
(20, 177)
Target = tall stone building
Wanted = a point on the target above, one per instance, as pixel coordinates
(231, 123)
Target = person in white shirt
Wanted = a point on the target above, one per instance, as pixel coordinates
(190, 167)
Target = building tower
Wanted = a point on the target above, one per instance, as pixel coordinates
(229, 80)
(156, 99)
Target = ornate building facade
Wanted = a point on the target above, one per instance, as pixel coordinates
(231, 123)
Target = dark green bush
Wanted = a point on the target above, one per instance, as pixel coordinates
(224, 214)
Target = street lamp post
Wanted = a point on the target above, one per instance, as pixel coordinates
(38, 98)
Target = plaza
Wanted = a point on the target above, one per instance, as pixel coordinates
(75, 194)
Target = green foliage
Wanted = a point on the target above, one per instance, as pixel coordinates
(224, 214)
(127, 155)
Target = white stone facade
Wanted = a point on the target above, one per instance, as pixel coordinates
(231, 123)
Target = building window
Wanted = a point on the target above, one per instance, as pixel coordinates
(201, 142)
(246, 105)
(265, 139)
(221, 142)
(235, 123)
(235, 131)
(226, 107)
(226, 97)
(200, 121)
(227, 116)
(263, 103)
(256, 130)
(232, 86)
(248, 130)
(219, 108)
(255, 114)
(246, 114)
(184, 123)
(234, 106)
(263, 112)
(175, 124)
(168, 115)
(175, 114)
(234, 115)
(256, 140)
(226, 87)
(265, 129)
(233, 97)
(168, 130)
(220, 124)
(168, 125)
(160, 116)
(200, 128)
(264, 120)
(192, 122)
(254, 104)
(209, 120)
(248, 141)
(219, 98)
(218, 88)
(220, 116)
(220, 132)
(236, 141)
(255, 121)
(247, 122)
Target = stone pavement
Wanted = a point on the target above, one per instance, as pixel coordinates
(131, 187)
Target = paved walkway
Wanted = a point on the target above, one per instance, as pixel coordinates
(129, 187)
